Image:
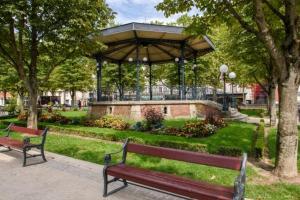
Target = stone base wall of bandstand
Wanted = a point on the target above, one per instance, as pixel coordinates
(171, 109)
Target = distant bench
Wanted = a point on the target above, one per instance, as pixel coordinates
(24, 145)
(172, 184)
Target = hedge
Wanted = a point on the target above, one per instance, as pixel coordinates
(259, 141)
(228, 151)
(197, 147)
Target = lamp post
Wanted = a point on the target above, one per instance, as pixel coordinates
(232, 76)
(224, 70)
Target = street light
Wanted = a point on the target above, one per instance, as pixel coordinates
(232, 76)
(130, 59)
(176, 59)
(224, 70)
(145, 59)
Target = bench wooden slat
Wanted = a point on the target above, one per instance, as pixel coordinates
(25, 144)
(172, 183)
(6, 141)
(187, 156)
(26, 130)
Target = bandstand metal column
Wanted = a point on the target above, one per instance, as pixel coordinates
(99, 77)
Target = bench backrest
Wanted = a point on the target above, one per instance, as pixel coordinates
(25, 130)
(233, 163)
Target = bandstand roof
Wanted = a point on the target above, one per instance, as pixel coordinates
(159, 43)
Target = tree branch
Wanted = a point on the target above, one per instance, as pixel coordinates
(7, 57)
(260, 84)
(274, 10)
(239, 18)
(265, 36)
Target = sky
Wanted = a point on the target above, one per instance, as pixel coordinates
(138, 11)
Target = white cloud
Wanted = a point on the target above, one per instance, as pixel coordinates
(138, 11)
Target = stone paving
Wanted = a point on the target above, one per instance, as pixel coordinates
(61, 178)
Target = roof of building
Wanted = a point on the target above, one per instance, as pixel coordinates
(157, 43)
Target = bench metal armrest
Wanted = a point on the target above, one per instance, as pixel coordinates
(107, 157)
(7, 130)
(240, 181)
(26, 142)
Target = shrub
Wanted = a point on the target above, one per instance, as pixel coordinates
(87, 122)
(110, 137)
(228, 151)
(136, 140)
(111, 122)
(175, 131)
(11, 107)
(259, 140)
(215, 119)
(154, 118)
(199, 129)
(22, 116)
(54, 118)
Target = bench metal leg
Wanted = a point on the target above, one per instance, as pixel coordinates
(125, 182)
(105, 183)
(25, 156)
(43, 154)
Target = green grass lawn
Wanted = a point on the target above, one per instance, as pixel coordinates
(74, 114)
(236, 134)
(254, 112)
(93, 151)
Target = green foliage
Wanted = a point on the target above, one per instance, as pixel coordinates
(54, 117)
(228, 151)
(111, 122)
(154, 118)
(259, 140)
(111, 82)
(9, 81)
(38, 36)
(181, 145)
(234, 134)
(11, 107)
(93, 151)
(253, 112)
(199, 129)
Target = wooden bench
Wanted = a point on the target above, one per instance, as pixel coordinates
(172, 184)
(25, 144)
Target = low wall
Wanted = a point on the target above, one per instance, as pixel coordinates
(171, 109)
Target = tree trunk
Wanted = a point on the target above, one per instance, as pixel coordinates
(272, 105)
(73, 98)
(244, 98)
(20, 102)
(33, 110)
(4, 96)
(215, 96)
(287, 136)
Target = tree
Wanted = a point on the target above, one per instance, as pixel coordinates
(73, 76)
(246, 49)
(276, 24)
(36, 34)
(121, 78)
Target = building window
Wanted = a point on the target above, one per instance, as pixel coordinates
(165, 110)
(160, 89)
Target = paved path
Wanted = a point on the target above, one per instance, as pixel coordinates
(61, 178)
